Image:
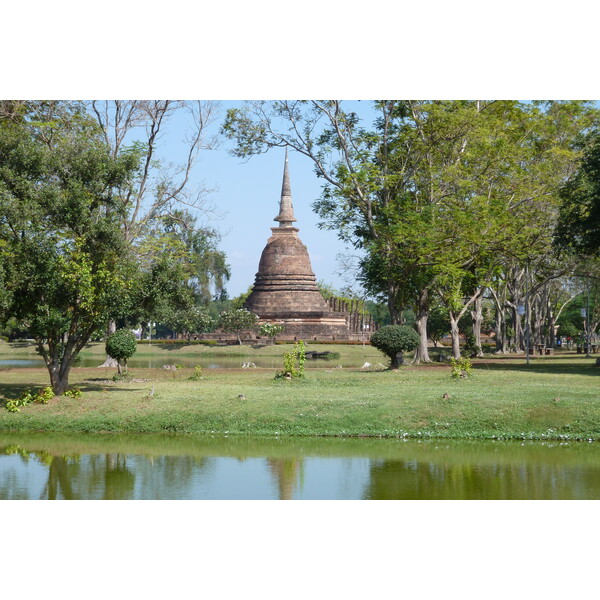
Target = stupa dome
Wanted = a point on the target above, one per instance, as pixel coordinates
(285, 287)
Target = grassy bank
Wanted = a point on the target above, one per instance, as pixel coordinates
(555, 397)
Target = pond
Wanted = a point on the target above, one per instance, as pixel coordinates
(64, 466)
(205, 361)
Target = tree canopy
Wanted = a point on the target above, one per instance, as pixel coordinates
(63, 260)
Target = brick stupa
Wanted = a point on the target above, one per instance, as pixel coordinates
(285, 289)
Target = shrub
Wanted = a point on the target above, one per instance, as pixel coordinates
(461, 368)
(40, 397)
(271, 330)
(197, 373)
(293, 362)
(121, 345)
(393, 341)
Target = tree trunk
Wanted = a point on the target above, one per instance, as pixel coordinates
(454, 334)
(397, 361)
(59, 380)
(422, 352)
(500, 331)
(109, 361)
(477, 316)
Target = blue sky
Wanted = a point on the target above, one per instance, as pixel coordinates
(247, 193)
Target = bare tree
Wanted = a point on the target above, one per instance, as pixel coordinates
(160, 187)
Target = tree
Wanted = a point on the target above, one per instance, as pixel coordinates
(438, 324)
(434, 193)
(121, 346)
(190, 321)
(393, 341)
(62, 254)
(579, 224)
(237, 320)
(152, 202)
(271, 330)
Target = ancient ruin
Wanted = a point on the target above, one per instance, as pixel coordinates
(285, 289)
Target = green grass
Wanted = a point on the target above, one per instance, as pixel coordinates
(555, 397)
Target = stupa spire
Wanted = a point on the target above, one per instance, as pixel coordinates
(286, 210)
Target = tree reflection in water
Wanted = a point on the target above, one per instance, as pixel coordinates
(163, 467)
(287, 472)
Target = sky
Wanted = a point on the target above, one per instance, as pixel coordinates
(245, 195)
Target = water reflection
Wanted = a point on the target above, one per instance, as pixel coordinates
(190, 467)
(205, 361)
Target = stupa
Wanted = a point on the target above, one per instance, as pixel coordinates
(285, 289)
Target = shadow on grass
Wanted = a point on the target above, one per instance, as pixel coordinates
(545, 366)
(10, 391)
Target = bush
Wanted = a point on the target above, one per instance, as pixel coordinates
(271, 330)
(293, 362)
(393, 341)
(40, 397)
(121, 345)
(461, 368)
(197, 376)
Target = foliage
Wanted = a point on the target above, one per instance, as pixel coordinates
(579, 224)
(239, 301)
(438, 195)
(74, 392)
(202, 266)
(461, 368)
(43, 396)
(121, 346)
(189, 321)
(568, 329)
(237, 320)
(393, 340)
(63, 263)
(438, 324)
(197, 375)
(293, 362)
(271, 330)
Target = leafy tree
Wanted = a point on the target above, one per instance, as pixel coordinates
(204, 266)
(393, 341)
(438, 324)
(579, 224)
(237, 320)
(121, 346)
(64, 264)
(568, 329)
(190, 321)
(436, 194)
(271, 330)
(239, 301)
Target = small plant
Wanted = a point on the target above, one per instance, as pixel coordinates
(73, 393)
(41, 397)
(197, 373)
(293, 362)
(121, 377)
(12, 405)
(461, 368)
(44, 396)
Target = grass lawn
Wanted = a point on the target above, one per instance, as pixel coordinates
(556, 397)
